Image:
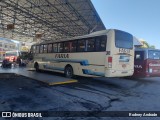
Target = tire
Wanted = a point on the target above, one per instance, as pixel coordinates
(37, 68)
(68, 72)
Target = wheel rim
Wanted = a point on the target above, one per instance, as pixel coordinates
(69, 72)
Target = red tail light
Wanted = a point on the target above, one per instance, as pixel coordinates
(109, 62)
(110, 59)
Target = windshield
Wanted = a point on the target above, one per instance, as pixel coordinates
(123, 40)
(24, 53)
(11, 54)
(154, 54)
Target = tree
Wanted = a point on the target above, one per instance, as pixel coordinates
(152, 46)
(146, 45)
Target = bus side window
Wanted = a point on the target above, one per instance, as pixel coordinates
(60, 47)
(33, 49)
(49, 48)
(73, 46)
(139, 55)
(101, 43)
(37, 49)
(41, 48)
(152, 54)
(55, 48)
(67, 46)
(90, 45)
(44, 48)
(81, 45)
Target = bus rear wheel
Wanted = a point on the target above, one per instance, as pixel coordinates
(68, 72)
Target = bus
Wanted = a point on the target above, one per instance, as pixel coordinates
(106, 53)
(147, 62)
(12, 55)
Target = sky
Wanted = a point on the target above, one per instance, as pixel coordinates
(141, 18)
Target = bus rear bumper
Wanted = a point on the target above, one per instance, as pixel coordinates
(119, 73)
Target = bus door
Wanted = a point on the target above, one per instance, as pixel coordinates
(153, 62)
(139, 64)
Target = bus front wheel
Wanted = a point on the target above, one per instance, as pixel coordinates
(68, 72)
(37, 67)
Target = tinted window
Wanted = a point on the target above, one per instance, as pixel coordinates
(73, 46)
(49, 48)
(90, 44)
(60, 47)
(67, 46)
(154, 54)
(55, 48)
(33, 49)
(81, 45)
(101, 43)
(44, 48)
(123, 40)
(139, 55)
(41, 48)
(37, 49)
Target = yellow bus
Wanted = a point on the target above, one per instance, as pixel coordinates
(107, 53)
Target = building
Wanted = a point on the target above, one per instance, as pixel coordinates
(7, 45)
(137, 43)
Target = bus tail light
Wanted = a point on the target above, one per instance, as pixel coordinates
(109, 62)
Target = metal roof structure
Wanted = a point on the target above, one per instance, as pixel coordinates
(26, 20)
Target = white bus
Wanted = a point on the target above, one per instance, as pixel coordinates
(107, 53)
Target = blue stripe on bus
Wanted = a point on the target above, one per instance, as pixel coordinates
(82, 62)
(90, 72)
(85, 71)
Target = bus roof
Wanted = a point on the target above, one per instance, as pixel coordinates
(98, 33)
(94, 34)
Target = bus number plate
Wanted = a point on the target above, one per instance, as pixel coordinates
(122, 50)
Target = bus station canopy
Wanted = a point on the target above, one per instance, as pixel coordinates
(28, 20)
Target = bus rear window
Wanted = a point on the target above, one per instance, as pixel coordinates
(153, 54)
(123, 39)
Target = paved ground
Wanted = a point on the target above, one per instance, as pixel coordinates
(40, 76)
(18, 93)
